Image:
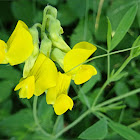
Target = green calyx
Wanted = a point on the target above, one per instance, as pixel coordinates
(46, 46)
(31, 60)
(58, 56)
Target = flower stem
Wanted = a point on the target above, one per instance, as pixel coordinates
(108, 65)
(119, 98)
(135, 124)
(123, 66)
(103, 55)
(86, 20)
(72, 124)
(98, 14)
(36, 118)
(100, 92)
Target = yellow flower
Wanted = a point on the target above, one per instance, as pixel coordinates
(42, 76)
(79, 54)
(19, 46)
(58, 95)
(3, 46)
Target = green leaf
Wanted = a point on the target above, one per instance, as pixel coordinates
(133, 101)
(45, 114)
(18, 124)
(52, 2)
(123, 27)
(59, 124)
(8, 72)
(24, 10)
(65, 15)
(119, 76)
(78, 34)
(124, 131)
(4, 35)
(122, 88)
(5, 108)
(10, 78)
(138, 15)
(5, 11)
(87, 87)
(78, 7)
(96, 131)
(135, 52)
(117, 10)
(45, 2)
(36, 136)
(109, 31)
(101, 33)
(5, 90)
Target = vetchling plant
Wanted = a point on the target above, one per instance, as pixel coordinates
(50, 65)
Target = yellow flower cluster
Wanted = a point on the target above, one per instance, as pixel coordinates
(40, 73)
(19, 46)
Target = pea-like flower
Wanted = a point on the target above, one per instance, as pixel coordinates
(42, 76)
(19, 46)
(71, 62)
(2, 50)
(79, 54)
(58, 95)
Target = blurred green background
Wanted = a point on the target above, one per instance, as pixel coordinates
(78, 18)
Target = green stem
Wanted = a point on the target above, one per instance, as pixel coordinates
(103, 115)
(120, 51)
(98, 14)
(56, 124)
(99, 94)
(100, 47)
(118, 98)
(121, 115)
(86, 20)
(135, 124)
(123, 66)
(81, 93)
(72, 124)
(100, 56)
(108, 65)
(37, 25)
(36, 118)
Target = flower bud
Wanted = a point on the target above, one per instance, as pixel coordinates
(46, 46)
(58, 56)
(51, 11)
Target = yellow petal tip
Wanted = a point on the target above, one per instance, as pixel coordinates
(62, 104)
(84, 74)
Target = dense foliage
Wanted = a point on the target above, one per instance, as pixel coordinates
(112, 26)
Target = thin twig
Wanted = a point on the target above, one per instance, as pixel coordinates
(98, 14)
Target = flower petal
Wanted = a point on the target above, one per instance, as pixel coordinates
(3, 47)
(62, 85)
(79, 54)
(62, 104)
(85, 45)
(45, 73)
(27, 87)
(20, 85)
(19, 25)
(84, 73)
(20, 45)
(51, 95)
